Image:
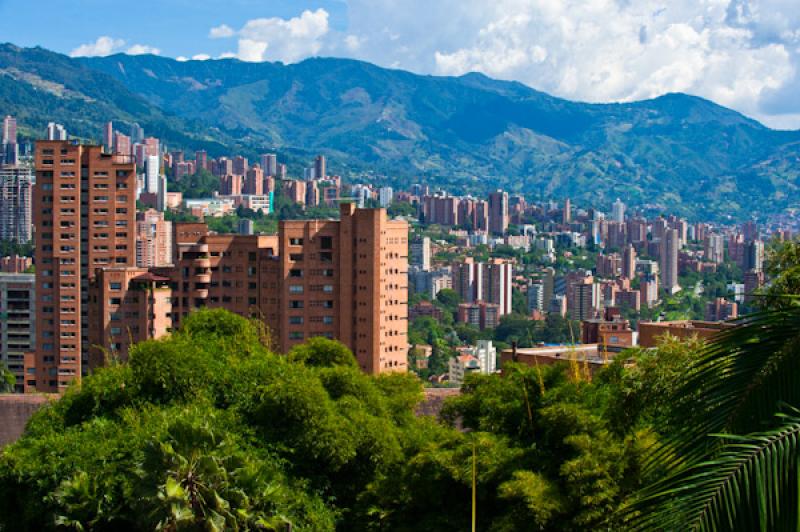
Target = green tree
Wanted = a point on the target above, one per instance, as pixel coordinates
(7, 380)
(321, 352)
(449, 299)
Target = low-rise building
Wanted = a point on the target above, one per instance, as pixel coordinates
(460, 366)
(650, 333)
(17, 322)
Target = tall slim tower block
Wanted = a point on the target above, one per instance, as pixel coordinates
(84, 211)
(498, 212)
(670, 245)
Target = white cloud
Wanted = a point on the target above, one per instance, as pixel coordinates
(740, 53)
(104, 45)
(139, 49)
(182, 58)
(353, 42)
(271, 39)
(201, 57)
(222, 31)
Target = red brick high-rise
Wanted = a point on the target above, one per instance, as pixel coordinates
(75, 237)
(344, 279)
(498, 212)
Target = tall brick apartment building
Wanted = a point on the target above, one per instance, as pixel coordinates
(84, 209)
(344, 279)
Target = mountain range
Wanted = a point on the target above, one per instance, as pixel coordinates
(467, 134)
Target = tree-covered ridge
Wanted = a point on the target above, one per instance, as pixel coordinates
(208, 429)
(472, 133)
(466, 134)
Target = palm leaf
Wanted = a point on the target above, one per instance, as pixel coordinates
(752, 484)
(736, 384)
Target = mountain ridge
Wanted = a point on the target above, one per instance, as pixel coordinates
(467, 133)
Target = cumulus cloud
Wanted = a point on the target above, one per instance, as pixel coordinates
(274, 38)
(744, 54)
(604, 51)
(201, 57)
(222, 31)
(104, 45)
(139, 49)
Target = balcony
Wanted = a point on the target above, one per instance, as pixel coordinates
(202, 262)
(200, 293)
(202, 278)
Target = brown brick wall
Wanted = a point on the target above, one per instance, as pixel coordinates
(15, 411)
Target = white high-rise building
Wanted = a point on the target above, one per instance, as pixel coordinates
(152, 169)
(618, 211)
(486, 354)
(421, 253)
(535, 297)
(56, 132)
(385, 196)
(361, 193)
(161, 198)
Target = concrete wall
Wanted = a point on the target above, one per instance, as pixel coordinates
(15, 411)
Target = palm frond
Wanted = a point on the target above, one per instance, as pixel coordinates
(751, 484)
(736, 384)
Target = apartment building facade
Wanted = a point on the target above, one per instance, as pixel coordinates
(84, 211)
(342, 279)
(17, 323)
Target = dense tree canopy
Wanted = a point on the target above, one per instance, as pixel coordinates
(208, 429)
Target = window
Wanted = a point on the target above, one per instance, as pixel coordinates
(327, 320)
(326, 242)
(115, 331)
(294, 272)
(297, 257)
(296, 335)
(296, 320)
(295, 289)
(115, 286)
(328, 288)
(296, 303)
(295, 241)
(326, 256)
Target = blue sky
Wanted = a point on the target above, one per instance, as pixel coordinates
(744, 54)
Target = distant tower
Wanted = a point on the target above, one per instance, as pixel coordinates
(566, 216)
(56, 132)
(618, 211)
(269, 163)
(498, 212)
(629, 262)
(9, 130)
(669, 260)
(108, 136)
(320, 172)
(152, 171)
